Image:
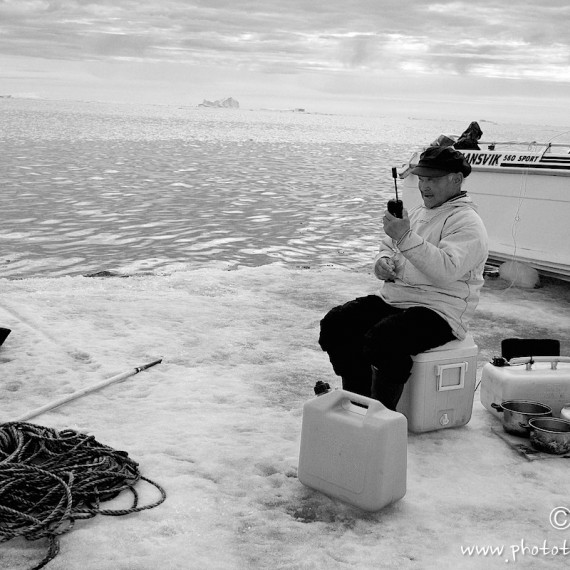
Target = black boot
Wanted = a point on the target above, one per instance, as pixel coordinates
(386, 392)
(358, 380)
(357, 387)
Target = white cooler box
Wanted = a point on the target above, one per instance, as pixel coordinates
(545, 380)
(439, 393)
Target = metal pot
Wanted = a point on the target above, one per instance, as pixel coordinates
(550, 434)
(517, 413)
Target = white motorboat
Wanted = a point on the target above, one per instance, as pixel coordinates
(522, 191)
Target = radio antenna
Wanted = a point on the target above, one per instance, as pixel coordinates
(395, 176)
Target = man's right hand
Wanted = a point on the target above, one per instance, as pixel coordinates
(384, 269)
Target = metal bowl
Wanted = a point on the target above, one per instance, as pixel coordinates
(550, 434)
(517, 413)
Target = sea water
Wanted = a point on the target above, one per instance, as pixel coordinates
(90, 187)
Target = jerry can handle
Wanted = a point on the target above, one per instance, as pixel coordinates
(370, 403)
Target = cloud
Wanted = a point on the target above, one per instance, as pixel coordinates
(360, 46)
(456, 36)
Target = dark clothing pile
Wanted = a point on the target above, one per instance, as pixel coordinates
(469, 138)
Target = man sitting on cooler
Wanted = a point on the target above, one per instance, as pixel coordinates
(431, 263)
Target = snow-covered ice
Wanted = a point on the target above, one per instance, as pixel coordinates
(217, 424)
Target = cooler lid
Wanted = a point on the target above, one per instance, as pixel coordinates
(467, 343)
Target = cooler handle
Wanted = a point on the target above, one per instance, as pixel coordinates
(530, 360)
(440, 368)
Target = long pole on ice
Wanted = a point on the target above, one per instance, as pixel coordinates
(86, 390)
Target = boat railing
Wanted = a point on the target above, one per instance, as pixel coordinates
(532, 146)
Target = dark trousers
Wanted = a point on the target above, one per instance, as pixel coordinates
(369, 332)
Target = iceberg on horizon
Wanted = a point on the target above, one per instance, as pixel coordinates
(228, 103)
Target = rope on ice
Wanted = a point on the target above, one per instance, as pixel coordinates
(50, 479)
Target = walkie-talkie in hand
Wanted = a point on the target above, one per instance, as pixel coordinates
(396, 207)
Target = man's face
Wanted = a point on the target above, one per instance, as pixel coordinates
(435, 191)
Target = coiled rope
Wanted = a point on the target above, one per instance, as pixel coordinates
(50, 479)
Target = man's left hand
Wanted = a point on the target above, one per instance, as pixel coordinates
(396, 227)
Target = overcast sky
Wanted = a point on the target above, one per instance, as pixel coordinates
(490, 58)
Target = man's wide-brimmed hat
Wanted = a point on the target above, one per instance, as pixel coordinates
(439, 161)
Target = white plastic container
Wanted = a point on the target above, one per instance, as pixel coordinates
(355, 454)
(439, 393)
(545, 380)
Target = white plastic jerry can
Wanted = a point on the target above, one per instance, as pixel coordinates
(353, 453)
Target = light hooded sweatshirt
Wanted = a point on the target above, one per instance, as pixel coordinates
(439, 262)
